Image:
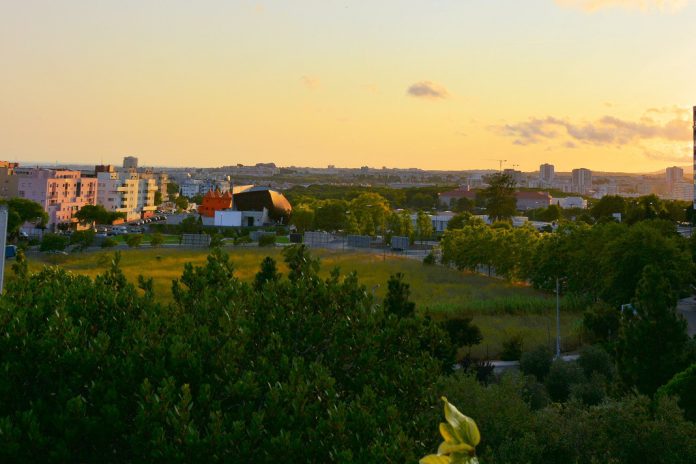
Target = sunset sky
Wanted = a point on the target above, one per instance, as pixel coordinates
(434, 84)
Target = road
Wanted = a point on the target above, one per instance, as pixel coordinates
(687, 308)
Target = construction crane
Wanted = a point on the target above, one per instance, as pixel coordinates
(500, 161)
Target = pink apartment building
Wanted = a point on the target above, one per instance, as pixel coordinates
(61, 192)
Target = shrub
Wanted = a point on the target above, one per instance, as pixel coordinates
(267, 240)
(134, 240)
(534, 393)
(536, 362)
(51, 242)
(562, 376)
(108, 242)
(83, 238)
(156, 240)
(429, 259)
(512, 348)
(683, 385)
(590, 392)
(595, 360)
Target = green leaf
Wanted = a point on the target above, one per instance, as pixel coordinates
(435, 459)
(463, 427)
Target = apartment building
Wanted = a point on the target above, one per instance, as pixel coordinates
(126, 192)
(61, 192)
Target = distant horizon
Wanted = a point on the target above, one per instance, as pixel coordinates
(445, 85)
(686, 168)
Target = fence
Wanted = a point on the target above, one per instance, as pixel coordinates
(195, 240)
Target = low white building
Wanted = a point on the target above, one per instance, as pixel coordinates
(570, 202)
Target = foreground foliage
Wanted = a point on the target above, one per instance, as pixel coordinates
(289, 368)
(299, 369)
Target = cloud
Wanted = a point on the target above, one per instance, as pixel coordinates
(312, 83)
(672, 156)
(428, 90)
(642, 5)
(608, 130)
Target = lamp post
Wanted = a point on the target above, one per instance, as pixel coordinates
(558, 319)
(3, 242)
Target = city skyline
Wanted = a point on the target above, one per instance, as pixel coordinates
(452, 86)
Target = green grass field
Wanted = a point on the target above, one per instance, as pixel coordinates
(499, 308)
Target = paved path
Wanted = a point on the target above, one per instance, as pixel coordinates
(687, 307)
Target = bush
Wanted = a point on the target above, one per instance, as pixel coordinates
(83, 238)
(134, 240)
(534, 393)
(267, 240)
(590, 392)
(683, 386)
(51, 242)
(429, 260)
(108, 242)
(512, 348)
(562, 376)
(595, 360)
(156, 240)
(536, 362)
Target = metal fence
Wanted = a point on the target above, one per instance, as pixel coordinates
(195, 240)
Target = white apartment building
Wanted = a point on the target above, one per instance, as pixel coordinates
(582, 180)
(126, 192)
(546, 173)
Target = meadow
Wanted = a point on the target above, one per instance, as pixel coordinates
(499, 308)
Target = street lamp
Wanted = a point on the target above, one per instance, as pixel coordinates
(558, 319)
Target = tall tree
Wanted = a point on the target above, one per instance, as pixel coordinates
(302, 218)
(21, 210)
(652, 344)
(499, 196)
(424, 226)
(370, 210)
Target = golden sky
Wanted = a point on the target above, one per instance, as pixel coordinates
(434, 84)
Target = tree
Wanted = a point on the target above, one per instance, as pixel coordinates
(370, 211)
(90, 214)
(463, 332)
(424, 226)
(550, 214)
(683, 386)
(626, 255)
(268, 273)
(134, 240)
(645, 208)
(302, 218)
(607, 206)
(330, 215)
(458, 221)
(397, 299)
(172, 188)
(499, 196)
(21, 210)
(537, 362)
(191, 225)
(653, 341)
(158, 198)
(463, 205)
(181, 203)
